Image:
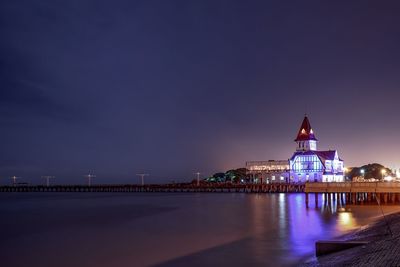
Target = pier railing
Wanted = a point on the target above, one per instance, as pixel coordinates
(353, 187)
(220, 187)
(311, 187)
(355, 192)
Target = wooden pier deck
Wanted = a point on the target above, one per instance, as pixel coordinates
(353, 187)
(356, 192)
(188, 188)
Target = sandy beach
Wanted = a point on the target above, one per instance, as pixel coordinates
(383, 248)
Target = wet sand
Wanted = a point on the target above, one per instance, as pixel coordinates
(383, 249)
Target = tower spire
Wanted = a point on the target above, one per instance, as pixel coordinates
(305, 132)
(306, 139)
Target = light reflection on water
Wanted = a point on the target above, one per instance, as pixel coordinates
(346, 221)
(167, 229)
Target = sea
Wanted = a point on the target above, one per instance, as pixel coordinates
(169, 229)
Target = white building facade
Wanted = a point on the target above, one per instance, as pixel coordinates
(310, 165)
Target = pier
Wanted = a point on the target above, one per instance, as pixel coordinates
(359, 193)
(355, 193)
(188, 188)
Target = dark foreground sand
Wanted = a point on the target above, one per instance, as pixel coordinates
(383, 249)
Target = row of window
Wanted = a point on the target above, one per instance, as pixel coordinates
(264, 168)
(307, 158)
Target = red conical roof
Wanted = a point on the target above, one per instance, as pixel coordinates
(306, 132)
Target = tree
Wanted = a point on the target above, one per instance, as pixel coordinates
(234, 176)
(371, 171)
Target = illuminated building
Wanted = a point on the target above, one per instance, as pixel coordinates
(309, 164)
(306, 164)
(268, 171)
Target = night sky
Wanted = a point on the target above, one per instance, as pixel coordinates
(174, 87)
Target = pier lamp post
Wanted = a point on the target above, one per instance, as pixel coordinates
(198, 178)
(14, 179)
(89, 177)
(363, 173)
(383, 172)
(142, 175)
(345, 170)
(48, 179)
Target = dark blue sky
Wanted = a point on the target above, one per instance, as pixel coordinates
(172, 87)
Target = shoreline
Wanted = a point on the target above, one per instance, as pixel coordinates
(382, 250)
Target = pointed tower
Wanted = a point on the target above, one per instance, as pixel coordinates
(305, 139)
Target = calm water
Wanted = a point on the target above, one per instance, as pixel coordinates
(83, 229)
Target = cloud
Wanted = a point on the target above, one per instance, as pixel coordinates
(25, 94)
(25, 98)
